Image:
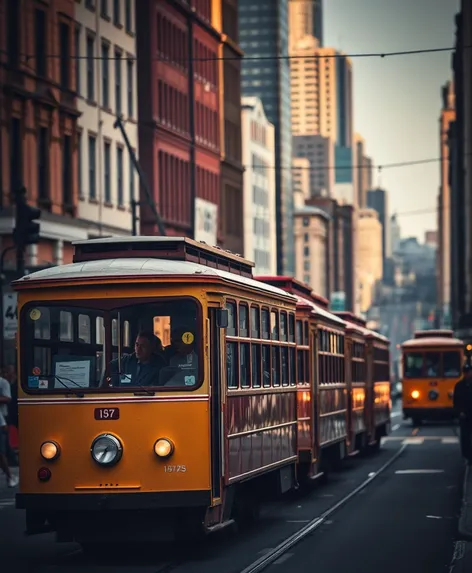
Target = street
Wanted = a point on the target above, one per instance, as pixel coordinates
(405, 519)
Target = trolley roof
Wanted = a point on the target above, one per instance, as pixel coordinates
(304, 295)
(170, 248)
(355, 322)
(432, 341)
(140, 268)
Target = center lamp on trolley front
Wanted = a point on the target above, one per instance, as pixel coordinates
(164, 390)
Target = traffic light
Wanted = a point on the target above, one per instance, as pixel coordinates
(26, 230)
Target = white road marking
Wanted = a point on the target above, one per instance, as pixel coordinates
(396, 427)
(403, 472)
(395, 415)
(283, 558)
(453, 440)
(433, 517)
(414, 441)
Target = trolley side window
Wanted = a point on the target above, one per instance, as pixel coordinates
(451, 364)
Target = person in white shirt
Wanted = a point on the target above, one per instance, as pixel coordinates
(5, 398)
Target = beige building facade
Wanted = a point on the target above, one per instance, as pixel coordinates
(369, 255)
(311, 248)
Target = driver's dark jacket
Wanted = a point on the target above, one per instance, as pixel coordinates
(462, 399)
(139, 374)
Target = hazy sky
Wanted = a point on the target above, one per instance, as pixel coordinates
(397, 100)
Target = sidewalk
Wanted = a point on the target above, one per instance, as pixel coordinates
(4, 489)
(462, 560)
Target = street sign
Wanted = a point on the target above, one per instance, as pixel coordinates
(206, 220)
(338, 301)
(10, 316)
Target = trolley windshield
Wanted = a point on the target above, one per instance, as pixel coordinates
(432, 364)
(85, 346)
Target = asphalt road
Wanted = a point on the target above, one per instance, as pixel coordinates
(400, 522)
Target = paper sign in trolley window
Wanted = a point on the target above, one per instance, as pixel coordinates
(76, 371)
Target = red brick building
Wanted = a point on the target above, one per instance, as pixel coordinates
(38, 113)
(179, 110)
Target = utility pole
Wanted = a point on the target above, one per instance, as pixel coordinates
(150, 200)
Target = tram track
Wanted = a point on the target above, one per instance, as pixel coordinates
(282, 548)
(272, 555)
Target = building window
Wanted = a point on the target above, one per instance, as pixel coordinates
(67, 171)
(43, 163)
(129, 73)
(118, 82)
(40, 42)
(64, 41)
(116, 13)
(16, 155)
(306, 221)
(104, 8)
(13, 31)
(92, 158)
(107, 172)
(77, 59)
(80, 164)
(119, 175)
(90, 4)
(306, 265)
(306, 251)
(90, 69)
(105, 75)
(128, 17)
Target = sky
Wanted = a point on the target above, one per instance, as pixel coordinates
(397, 100)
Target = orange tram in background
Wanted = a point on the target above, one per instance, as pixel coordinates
(258, 388)
(432, 365)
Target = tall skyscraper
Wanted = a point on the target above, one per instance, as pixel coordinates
(263, 33)
(378, 199)
(448, 115)
(305, 19)
(321, 90)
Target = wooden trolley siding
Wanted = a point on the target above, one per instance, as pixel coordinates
(356, 375)
(322, 392)
(377, 388)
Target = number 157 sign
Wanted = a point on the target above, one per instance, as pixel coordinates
(10, 316)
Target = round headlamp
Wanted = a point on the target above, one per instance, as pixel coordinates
(106, 450)
(50, 451)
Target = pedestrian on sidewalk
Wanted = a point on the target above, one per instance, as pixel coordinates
(12, 418)
(462, 402)
(5, 398)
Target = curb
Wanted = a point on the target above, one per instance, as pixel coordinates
(464, 532)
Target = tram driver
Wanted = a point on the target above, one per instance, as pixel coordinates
(143, 367)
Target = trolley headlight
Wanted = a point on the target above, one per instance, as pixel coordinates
(415, 394)
(106, 450)
(163, 448)
(50, 451)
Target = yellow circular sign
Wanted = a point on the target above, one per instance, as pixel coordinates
(35, 314)
(187, 338)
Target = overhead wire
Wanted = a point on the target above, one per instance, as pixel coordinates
(338, 54)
